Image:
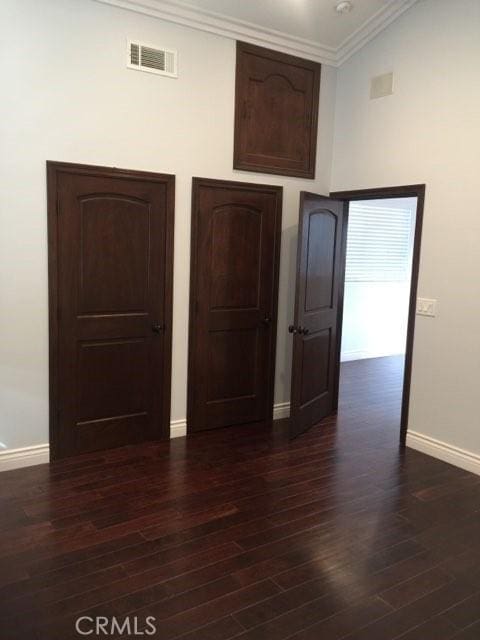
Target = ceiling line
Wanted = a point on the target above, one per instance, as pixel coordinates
(233, 28)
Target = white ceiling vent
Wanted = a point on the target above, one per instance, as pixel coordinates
(147, 57)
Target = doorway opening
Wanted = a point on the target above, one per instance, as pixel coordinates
(377, 313)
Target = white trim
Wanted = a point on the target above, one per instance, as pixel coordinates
(371, 28)
(219, 24)
(189, 16)
(178, 428)
(281, 410)
(444, 451)
(24, 457)
(348, 356)
(40, 454)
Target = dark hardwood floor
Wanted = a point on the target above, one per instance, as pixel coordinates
(240, 534)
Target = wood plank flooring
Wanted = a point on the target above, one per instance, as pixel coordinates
(240, 534)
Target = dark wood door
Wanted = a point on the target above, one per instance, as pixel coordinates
(276, 112)
(110, 254)
(318, 309)
(233, 302)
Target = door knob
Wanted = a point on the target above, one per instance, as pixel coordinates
(292, 329)
(303, 330)
(158, 328)
(266, 320)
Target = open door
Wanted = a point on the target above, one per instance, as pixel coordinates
(318, 310)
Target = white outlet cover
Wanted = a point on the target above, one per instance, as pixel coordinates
(426, 307)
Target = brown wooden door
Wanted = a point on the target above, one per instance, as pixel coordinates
(318, 309)
(110, 246)
(233, 302)
(276, 112)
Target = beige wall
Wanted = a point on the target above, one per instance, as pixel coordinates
(428, 131)
(67, 95)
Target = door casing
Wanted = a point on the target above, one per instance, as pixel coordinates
(383, 193)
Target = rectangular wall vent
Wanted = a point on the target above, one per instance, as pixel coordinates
(381, 86)
(146, 57)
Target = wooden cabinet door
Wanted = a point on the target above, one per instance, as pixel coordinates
(318, 310)
(233, 302)
(276, 112)
(111, 255)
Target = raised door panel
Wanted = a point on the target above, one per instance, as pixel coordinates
(315, 366)
(276, 110)
(232, 365)
(273, 97)
(319, 281)
(110, 304)
(114, 254)
(235, 253)
(112, 379)
(234, 280)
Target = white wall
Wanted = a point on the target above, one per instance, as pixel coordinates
(67, 95)
(375, 317)
(428, 131)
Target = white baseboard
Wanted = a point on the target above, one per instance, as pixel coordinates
(178, 428)
(39, 454)
(444, 451)
(281, 410)
(24, 457)
(348, 356)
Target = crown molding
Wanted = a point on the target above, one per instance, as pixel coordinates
(371, 28)
(219, 24)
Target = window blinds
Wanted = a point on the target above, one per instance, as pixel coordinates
(379, 242)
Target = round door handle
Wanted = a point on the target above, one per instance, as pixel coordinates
(292, 329)
(303, 331)
(266, 320)
(158, 328)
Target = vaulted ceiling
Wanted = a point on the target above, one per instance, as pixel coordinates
(312, 28)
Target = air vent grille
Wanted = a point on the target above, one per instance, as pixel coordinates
(134, 54)
(153, 59)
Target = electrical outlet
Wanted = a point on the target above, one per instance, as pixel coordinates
(426, 307)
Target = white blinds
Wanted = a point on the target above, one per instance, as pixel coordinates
(379, 241)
